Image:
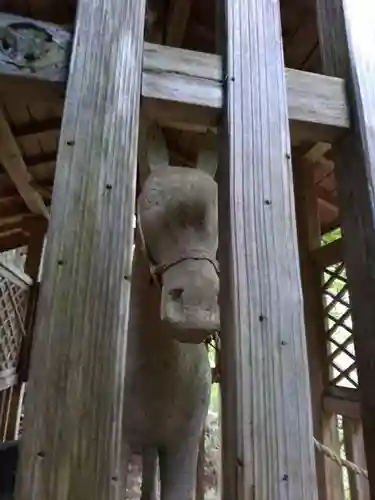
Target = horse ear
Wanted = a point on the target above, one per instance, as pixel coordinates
(152, 150)
(208, 155)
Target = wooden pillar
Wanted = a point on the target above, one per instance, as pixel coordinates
(37, 229)
(354, 449)
(309, 235)
(72, 439)
(267, 426)
(329, 474)
(347, 38)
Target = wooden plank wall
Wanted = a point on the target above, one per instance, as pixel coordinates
(72, 446)
(267, 426)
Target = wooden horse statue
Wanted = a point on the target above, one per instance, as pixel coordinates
(168, 378)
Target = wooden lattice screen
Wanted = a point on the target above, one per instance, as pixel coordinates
(338, 322)
(344, 426)
(14, 293)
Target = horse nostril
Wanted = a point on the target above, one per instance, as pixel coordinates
(176, 293)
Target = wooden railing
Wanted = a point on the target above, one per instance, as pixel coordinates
(14, 294)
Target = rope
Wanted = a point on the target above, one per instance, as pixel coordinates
(214, 341)
(340, 461)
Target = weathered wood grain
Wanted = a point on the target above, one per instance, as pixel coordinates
(346, 37)
(316, 105)
(187, 84)
(267, 424)
(72, 440)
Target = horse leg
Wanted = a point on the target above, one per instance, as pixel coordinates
(178, 470)
(149, 476)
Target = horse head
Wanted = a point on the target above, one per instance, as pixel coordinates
(178, 224)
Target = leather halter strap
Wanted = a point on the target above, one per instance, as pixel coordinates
(157, 270)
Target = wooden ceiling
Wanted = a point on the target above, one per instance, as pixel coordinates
(191, 25)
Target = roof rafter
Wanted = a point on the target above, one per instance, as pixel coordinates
(13, 162)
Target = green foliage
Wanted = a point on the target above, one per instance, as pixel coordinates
(331, 236)
(215, 398)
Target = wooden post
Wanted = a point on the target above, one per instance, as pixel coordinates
(354, 448)
(37, 229)
(71, 446)
(267, 426)
(309, 235)
(346, 36)
(335, 485)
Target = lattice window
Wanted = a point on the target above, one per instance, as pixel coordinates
(13, 304)
(341, 352)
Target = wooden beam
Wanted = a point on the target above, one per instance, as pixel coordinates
(12, 160)
(316, 105)
(316, 153)
(12, 240)
(15, 209)
(344, 393)
(350, 409)
(185, 87)
(326, 228)
(39, 159)
(36, 127)
(329, 207)
(13, 223)
(327, 196)
(177, 20)
(346, 32)
(71, 445)
(329, 254)
(267, 426)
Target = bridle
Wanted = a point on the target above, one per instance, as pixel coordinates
(156, 269)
